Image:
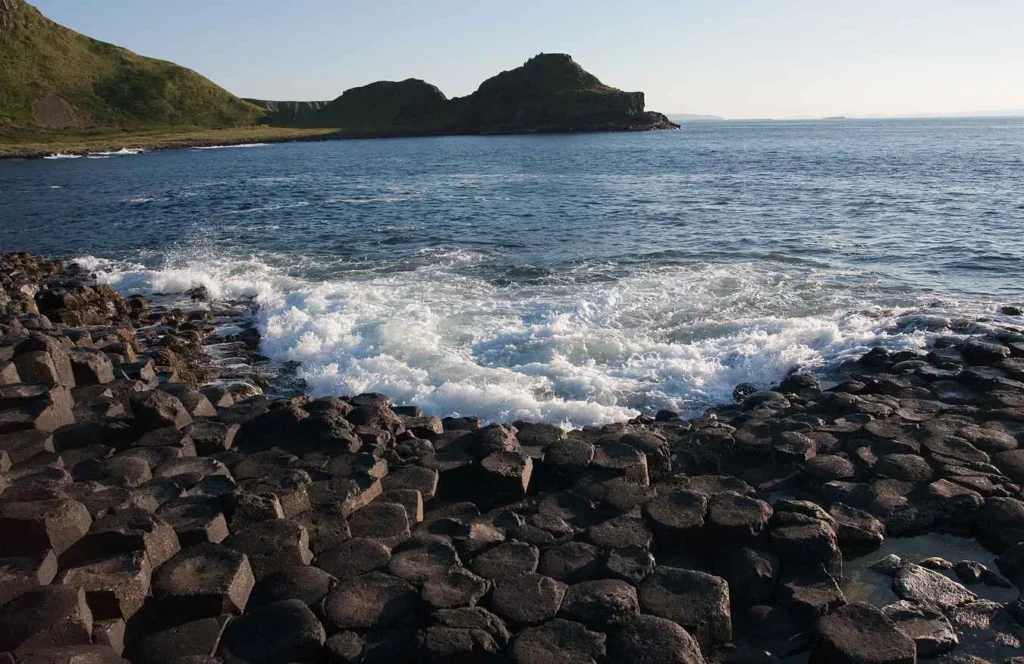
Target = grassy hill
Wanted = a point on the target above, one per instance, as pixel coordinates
(53, 78)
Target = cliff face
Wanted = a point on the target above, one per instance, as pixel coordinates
(550, 93)
(553, 93)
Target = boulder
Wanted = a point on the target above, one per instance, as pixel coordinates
(860, 633)
(115, 587)
(926, 625)
(195, 520)
(305, 583)
(204, 580)
(195, 641)
(736, 518)
(697, 601)
(418, 560)
(374, 600)
(527, 599)
(620, 532)
(506, 560)
(676, 517)
(416, 478)
(456, 587)
(46, 617)
(450, 644)
(557, 642)
(602, 604)
(506, 475)
(155, 409)
(571, 562)
(127, 530)
(272, 546)
(386, 523)
(18, 575)
(91, 367)
(652, 640)
(33, 528)
(808, 591)
(354, 557)
(918, 584)
(278, 633)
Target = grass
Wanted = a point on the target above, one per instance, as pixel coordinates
(16, 144)
(51, 76)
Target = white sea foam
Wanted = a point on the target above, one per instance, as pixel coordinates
(576, 352)
(123, 152)
(61, 155)
(228, 147)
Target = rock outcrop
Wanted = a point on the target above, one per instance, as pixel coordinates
(149, 519)
(550, 93)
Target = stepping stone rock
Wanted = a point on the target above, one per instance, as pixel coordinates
(856, 530)
(506, 475)
(917, 584)
(246, 510)
(697, 601)
(808, 592)
(791, 446)
(18, 575)
(925, 624)
(115, 587)
(212, 437)
(474, 618)
(906, 467)
(417, 478)
(94, 654)
(23, 445)
(808, 543)
(733, 517)
(829, 467)
(632, 564)
(624, 460)
(327, 529)
(371, 601)
(109, 633)
(558, 642)
(46, 617)
(676, 517)
(506, 560)
(410, 499)
(418, 561)
(571, 562)
(1001, 520)
(860, 633)
(204, 580)
(91, 367)
(354, 558)
(385, 522)
(490, 439)
(31, 528)
(154, 409)
(195, 642)
(602, 604)
(751, 573)
(620, 532)
(449, 644)
(195, 520)
(455, 588)
(126, 531)
(272, 546)
(527, 599)
(653, 640)
(279, 633)
(305, 583)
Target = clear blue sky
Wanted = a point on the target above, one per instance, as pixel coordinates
(737, 58)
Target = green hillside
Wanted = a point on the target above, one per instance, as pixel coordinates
(52, 78)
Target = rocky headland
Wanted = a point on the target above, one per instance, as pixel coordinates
(551, 93)
(157, 507)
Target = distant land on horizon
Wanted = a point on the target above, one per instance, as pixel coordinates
(57, 85)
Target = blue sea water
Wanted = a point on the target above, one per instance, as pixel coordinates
(574, 279)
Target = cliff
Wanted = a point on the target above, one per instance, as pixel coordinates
(52, 77)
(550, 93)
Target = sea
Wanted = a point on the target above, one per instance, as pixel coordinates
(571, 279)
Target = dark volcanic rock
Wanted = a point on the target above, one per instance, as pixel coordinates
(860, 633)
(279, 633)
(556, 642)
(653, 640)
(697, 601)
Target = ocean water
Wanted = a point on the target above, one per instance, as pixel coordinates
(571, 279)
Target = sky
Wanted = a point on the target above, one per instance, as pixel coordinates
(733, 58)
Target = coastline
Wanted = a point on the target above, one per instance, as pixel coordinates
(499, 540)
(34, 148)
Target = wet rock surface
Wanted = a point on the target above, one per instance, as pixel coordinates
(156, 505)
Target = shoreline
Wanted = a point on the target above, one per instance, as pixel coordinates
(370, 529)
(160, 141)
